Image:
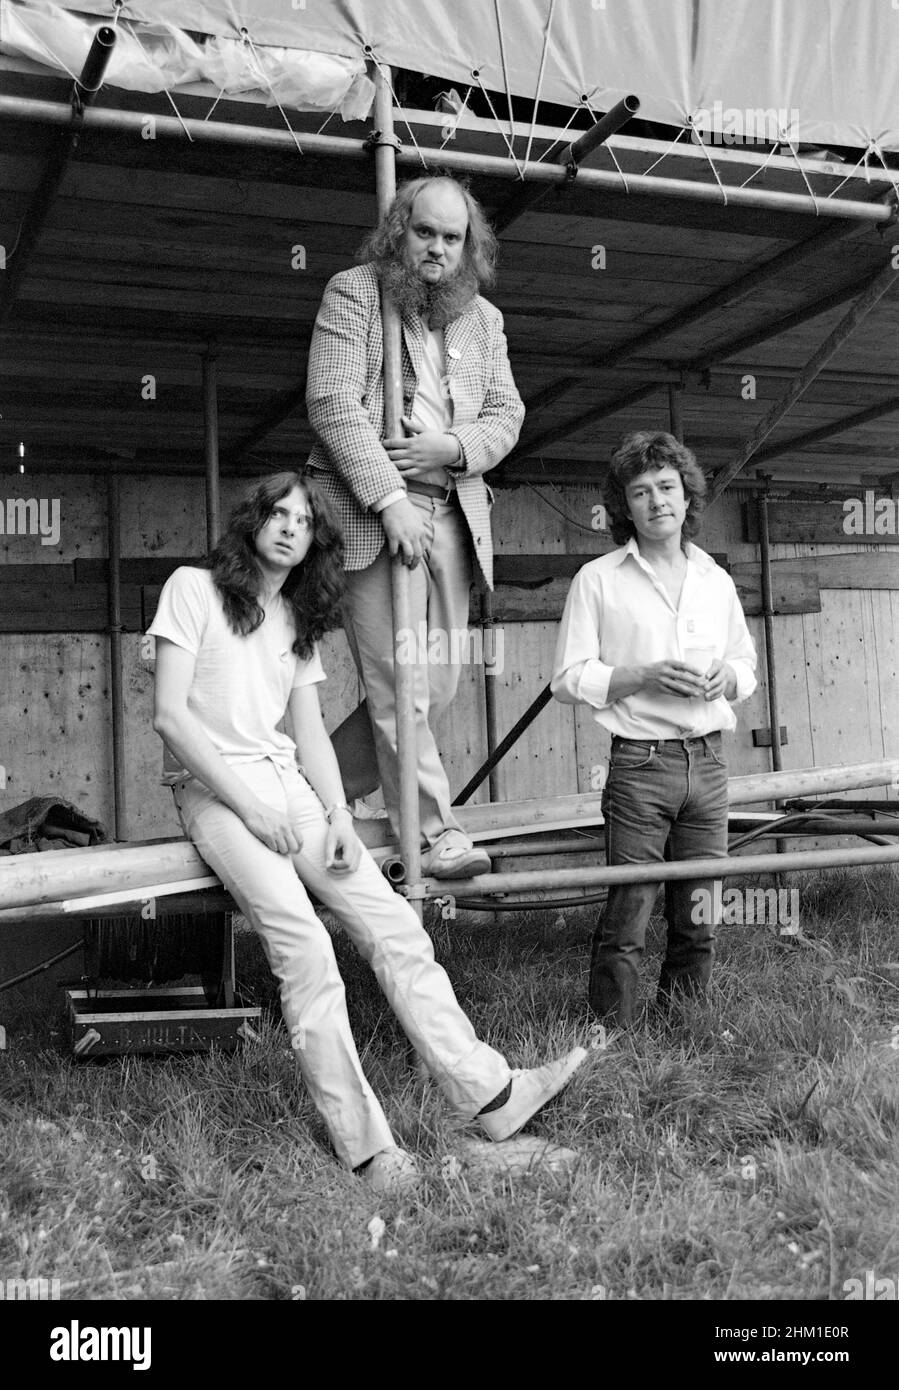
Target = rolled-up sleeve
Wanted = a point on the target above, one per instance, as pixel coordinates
(579, 673)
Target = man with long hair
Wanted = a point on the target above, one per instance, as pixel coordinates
(237, 652)
(653, 638)
(421, 495)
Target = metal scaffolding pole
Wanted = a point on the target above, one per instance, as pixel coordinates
(64, 145)
(385, 144)
(604, 876)
(211, 446)
(676, 410)
(498, 166)
(114, 599)
(525, 198)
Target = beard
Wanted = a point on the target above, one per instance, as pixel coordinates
(440, 303)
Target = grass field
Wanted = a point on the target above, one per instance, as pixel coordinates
(749, 1149)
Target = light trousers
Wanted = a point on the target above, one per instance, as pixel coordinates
(270, 890)
(438, 597)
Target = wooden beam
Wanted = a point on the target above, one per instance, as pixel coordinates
(42, 607)
(848, 422)
(826, 522)
(865, 570)
(693, 313)
(876, 287)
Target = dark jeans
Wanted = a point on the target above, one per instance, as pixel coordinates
(664, 799)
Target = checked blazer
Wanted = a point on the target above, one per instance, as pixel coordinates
(345, 401)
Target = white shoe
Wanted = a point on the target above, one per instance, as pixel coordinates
(530, 1092)
(454, 856)
(391, 1170)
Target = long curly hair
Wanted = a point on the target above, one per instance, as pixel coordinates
(313, 591)
(646, 451)
(382, 245)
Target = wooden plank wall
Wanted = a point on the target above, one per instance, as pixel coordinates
(838, 668)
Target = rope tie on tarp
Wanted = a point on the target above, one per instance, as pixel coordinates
(476, 74)
(370, 52)
(246, 39)
(546, 33)
(607, 145)
(136, 36)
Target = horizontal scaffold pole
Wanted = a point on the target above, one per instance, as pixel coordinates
(496, 166)
(30, 879)
(606, 876)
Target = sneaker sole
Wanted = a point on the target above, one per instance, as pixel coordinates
(466, 866)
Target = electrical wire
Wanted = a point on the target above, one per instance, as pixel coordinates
(44, 965)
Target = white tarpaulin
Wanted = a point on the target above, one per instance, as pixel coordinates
(826, 71)
(160, 56)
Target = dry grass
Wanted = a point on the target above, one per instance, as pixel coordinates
(746, 1150)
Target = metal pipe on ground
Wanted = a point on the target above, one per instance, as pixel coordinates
(609, 181)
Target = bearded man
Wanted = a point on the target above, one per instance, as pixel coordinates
(422, 495)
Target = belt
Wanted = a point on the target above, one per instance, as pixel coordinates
(445, 494)
(714, 738)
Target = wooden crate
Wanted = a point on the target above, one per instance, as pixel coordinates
(114, 1022)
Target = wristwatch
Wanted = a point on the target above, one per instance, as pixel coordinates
(332, 810)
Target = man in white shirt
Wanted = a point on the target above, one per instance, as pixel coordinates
(422, 494)
(236, 653)
(654, 639)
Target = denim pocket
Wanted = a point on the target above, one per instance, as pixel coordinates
(632, 756)
(716, 754)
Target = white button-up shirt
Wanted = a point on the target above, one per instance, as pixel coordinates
(618, 614)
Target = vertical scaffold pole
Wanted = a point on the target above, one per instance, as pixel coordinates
(385, 143)
(116, 685)
(211, 445)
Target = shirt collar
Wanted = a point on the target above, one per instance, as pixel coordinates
(699, 558)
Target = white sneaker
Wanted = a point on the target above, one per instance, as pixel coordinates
(454, 856)
(530, 1092)
(391, 1170)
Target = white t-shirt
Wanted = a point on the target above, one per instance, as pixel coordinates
(241, 685)
(433, 406)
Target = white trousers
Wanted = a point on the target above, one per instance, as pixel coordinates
(269, 889)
